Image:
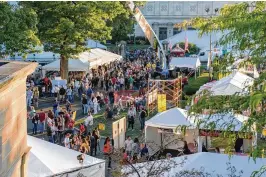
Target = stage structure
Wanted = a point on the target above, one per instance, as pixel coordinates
(156, 88)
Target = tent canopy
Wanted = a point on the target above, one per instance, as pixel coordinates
(175, 117)
(235, 83)
(203, 161)
(85, 60)
(73, 65)
(193, 37)
(185, 62)
(48, 159)
(169, 119)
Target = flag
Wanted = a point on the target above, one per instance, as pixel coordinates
(186, 44)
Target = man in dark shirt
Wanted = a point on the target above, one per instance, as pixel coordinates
(142, 118)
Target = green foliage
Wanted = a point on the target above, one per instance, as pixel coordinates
(194, 84)
(18, 30)
(64, 26)
(193, 49)
(123, 24)
(244, 25)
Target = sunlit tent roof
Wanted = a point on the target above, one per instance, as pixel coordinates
(169, 119)
(193, 37)
(73, 65)
(186, 62)
(202, 162)
(174, 117)
(85, 60)
(48, 159)
(235, 83)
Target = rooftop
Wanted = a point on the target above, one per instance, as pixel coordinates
(9, 69)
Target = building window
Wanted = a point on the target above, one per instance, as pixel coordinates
(162, 33)
(178, 8)
(193, 8)
(149, 8)
(176, 31)
(164, 8)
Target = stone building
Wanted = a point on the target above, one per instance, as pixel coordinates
(163, 15)
(13, 118)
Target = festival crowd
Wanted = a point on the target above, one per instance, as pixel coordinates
(114, 87)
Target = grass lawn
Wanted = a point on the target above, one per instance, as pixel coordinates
(194, 84)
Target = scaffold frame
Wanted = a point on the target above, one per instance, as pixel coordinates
(172, 88)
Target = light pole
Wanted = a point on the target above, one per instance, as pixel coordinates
(165, 48)
(207, 10)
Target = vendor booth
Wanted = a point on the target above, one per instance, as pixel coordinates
(48, 159)
(178, 52)
(209, 164)
(185, 62)
(164, 130)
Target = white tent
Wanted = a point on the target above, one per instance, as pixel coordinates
(176, 117)
(236, 83)
(48, 57)
(95, 44)
(193, 37)
(201, 162)
(185, 62)
(48, 159)
(73, 65)
(85, 60)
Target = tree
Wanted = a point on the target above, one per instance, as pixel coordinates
(243, 24)
(123, 24)
(64, 27)
(17, 30)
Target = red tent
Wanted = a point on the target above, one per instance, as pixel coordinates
(178, 52)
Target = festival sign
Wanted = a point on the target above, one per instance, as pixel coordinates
(161, 102)
(217, 133)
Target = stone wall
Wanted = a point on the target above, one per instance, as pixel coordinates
(13, 118)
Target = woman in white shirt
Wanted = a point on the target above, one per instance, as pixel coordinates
(95, 105)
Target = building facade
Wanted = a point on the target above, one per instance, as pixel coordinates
(163, 15)
(13, 118)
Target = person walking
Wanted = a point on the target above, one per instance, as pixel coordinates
(107, 151)
(128, 145)
(131, 117)
(142, 118)
(92, 143)
(96, 140)
(69, 94)
(85, 104)
(36, 97)
(88, 122)
(29, 95)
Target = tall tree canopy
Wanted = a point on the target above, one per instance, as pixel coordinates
(17, 30)
(64, 26)
(123, 24)
(245, 27)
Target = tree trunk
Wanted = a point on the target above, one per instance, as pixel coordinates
(64, 67)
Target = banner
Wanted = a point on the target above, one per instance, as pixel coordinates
(161, 102)
(101, 126)
(146, 28)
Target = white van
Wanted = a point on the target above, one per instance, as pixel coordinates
(204, 54)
